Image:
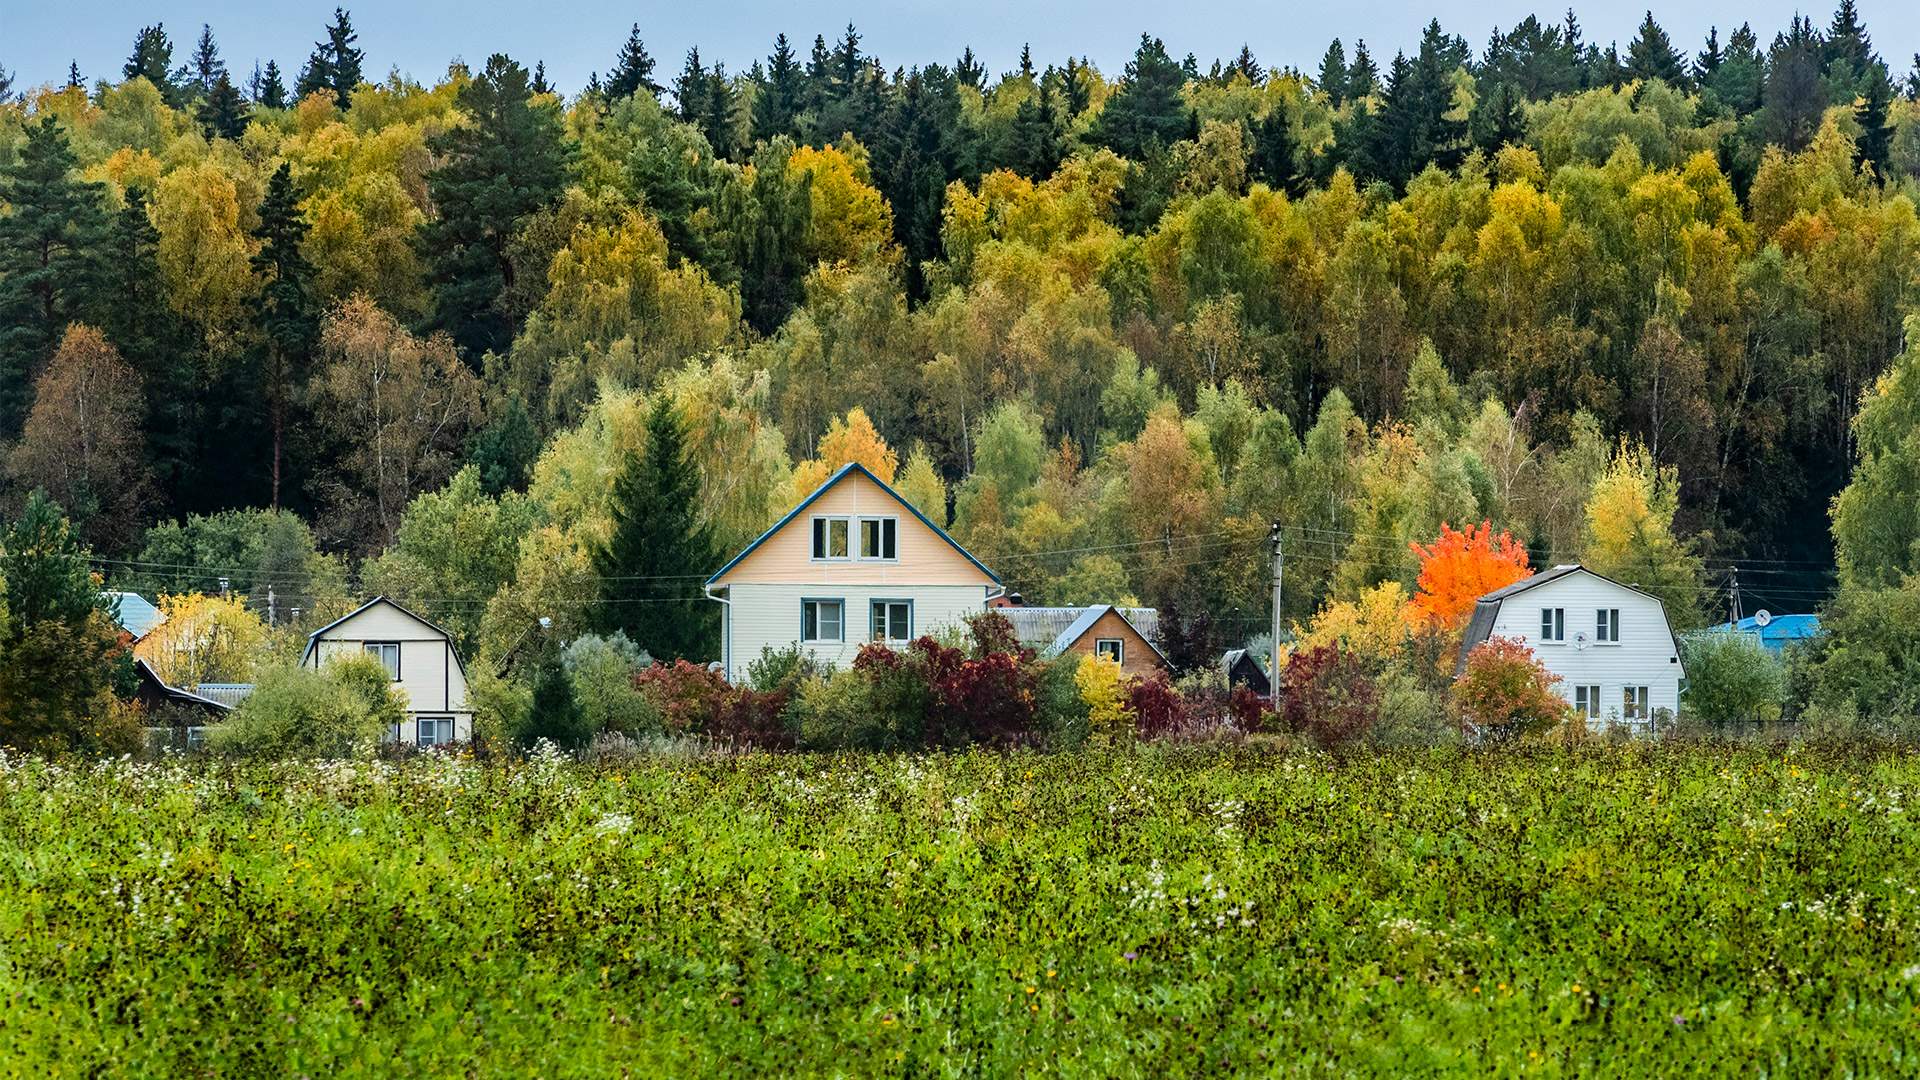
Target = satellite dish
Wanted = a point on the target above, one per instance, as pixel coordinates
(1580, 639)
(1762, 617)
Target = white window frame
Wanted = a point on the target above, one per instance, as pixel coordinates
(817, 604)
(1586, 700)
(880, 612)
(1119, 648)
(1553, 625)
(886, 526)
(378, 650)
(420, 728)
(1636, 702)
(1606, 626)
(820, 538)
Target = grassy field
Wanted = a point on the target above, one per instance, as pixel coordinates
(1168, 912)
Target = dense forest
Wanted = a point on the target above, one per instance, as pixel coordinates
(304, 339)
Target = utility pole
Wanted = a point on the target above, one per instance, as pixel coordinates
(1279, 565)
(271, 622)
(1735, 589)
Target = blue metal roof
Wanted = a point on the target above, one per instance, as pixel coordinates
(828, 483)
(136, 615)
(1780, 631)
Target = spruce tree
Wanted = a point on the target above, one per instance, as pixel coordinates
(56, 644)
(1248, 67)
(690, 89)
(154, 339)
(223, 114)
(152, 60)
(74, 81)
(272, 91)
(650, 567)
(632, 70)
(1075, 96)
(49, 259)
(1876, 133)
(334, 65)
(285, 315)
(1363, 78)
(1497, 119)
(6, 84)
(969, 70)
(1652, 56)
(539, 84)
(207, 66)
(1333, 74)
(716, 112)
(509, 162)
(1032, 146)
(778, 102)
(1273, 161)
(1794, 97)
(1847, 55)
(1147, 111)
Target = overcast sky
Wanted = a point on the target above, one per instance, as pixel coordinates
(419, 38)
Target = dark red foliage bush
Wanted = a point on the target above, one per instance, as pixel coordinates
(755, 718)
(988, 700)
(691, 698)
(992, 634)
(1158, 709)
(1327, 695)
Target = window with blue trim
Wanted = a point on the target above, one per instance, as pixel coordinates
(822, 620)
(892, 621)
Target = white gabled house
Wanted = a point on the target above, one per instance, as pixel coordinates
(853, 563)
(419, 658)
(1611, 644)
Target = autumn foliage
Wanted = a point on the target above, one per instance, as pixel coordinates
(1459, 568)
(1506, 691)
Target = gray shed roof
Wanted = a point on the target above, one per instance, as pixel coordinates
(1038, 628)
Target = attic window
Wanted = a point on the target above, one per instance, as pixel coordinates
(388, 653)
(830, 535)
(879, 538)
(1553, 624)
(1113, 649)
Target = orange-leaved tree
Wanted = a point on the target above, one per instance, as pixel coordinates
(1461, 567)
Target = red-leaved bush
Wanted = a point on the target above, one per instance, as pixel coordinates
(989, 700)
(691, 699)
(1158, 709)
(755, 718)
(1326, 694)
(1505, 691)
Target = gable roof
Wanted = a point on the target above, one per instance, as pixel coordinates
(1085, 622)
(826, 485)
(173, 693)
(1038, 626)
(1487, 609)
(313, 639)
(136, 614)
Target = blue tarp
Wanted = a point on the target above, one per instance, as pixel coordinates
(1780, 631)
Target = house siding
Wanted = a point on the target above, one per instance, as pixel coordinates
(786, 557)
(1646, 654)
(763, 616)
(431, 682)
(1138, 658)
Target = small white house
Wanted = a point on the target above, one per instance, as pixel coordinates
(1610, 643)
(853, 563)
(419, 658)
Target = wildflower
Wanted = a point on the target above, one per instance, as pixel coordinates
(1679, 1021)
(1130, 957)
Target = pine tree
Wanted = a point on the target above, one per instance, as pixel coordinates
(1794, 96)
(1333, 74)
(1147, 111)
(649, 567)
(207, 65)
(49, 259)
(1652, 56)
(285, 315)
(632, 70)
(56, 645)
(74, 81)
(509, 162)
(777, 105)
(224, 112)
(1273, 160)
(539, 83)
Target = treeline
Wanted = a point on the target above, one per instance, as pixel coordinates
(341, 336)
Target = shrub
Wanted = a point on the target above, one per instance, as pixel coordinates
(900, 693)
(600, 671)
(756, 718)
(553, 714)
(1326, 694)
(690, 697)
(833, 713)
(1158, 710)
(991, 634)
(1410, 713)
(1504, 691)
(342, 710)
(781, 669)
(987, 700)
(1059, 710)
(1103, 694)
(1214, 705)
(1731, 677)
